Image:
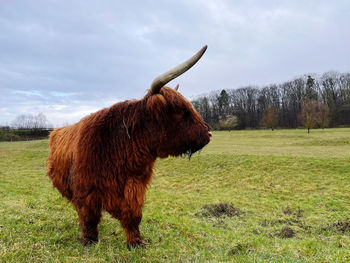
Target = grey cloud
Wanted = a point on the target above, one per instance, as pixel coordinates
(95, 51)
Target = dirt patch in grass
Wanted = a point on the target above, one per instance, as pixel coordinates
(341, 226)
(298, 213)
(219, 210)
(287, 211)
(286, 232)
(290, 221)
(239, 249)
(289, 216)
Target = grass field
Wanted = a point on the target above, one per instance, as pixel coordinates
(285, 197)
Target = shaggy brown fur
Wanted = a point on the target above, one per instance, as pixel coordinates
(105, 161)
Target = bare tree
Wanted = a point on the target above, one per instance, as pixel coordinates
(309, 114)
(270, 118)
(29, 121)
(323, 115)
(229, 123)
(19, 122)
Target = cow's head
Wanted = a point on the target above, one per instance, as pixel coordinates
(176, 126)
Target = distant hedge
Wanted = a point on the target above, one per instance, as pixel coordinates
(23, 134)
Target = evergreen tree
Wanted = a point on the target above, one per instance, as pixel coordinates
(223, 104)
(310, 92)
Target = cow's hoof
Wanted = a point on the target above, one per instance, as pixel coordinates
(136, 244)
(88, 241)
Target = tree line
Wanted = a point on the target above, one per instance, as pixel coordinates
(310, 101)
(26, 127)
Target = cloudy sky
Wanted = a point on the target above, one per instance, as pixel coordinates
(67, 59)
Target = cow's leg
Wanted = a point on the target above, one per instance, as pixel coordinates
(89, 212)
(130, 218)
(129, 211)
(131, 214)
(130, 221)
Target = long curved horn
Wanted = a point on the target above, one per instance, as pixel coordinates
(163, 79)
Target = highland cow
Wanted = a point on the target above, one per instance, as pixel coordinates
(105, 161)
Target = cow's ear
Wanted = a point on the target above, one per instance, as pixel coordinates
(177, 87)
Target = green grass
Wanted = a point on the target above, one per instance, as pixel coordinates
(285, 179)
